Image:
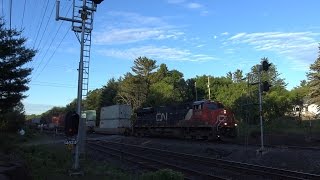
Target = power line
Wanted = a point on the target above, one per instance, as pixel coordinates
(2, 8)
(10, 13)
(46, 42)
(45, 10)
(24, 9)
(47, 50)
(52, 85)
(52, 55)
(45, 29)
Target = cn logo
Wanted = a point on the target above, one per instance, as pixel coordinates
(161, 116)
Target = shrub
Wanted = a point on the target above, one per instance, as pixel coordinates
(11, 121)
(163, 174)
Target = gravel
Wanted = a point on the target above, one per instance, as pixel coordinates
(292, 159)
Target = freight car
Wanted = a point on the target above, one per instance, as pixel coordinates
(198, 120)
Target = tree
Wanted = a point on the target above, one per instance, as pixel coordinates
(143, 68)
(238, 76)
(314, 81)
(109, 93)
(14, 77)
(92, 100)
(55, 111)
(132, 91)
(171, 89)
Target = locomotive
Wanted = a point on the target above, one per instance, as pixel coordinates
(198, 120)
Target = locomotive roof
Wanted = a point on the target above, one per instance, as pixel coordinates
(203, 101)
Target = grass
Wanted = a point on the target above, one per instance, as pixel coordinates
(54, 161)
(281, 126)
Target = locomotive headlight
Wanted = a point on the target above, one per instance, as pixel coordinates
(224, 111)
(235, 124)
(225, 124)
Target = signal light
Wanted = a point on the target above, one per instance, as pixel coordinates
(71, 124)
(266, 86)
(265, 65)
(97, 1)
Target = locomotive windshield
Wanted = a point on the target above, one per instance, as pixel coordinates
(214, 106)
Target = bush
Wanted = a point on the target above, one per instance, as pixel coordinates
(163, 174)
(11, 121)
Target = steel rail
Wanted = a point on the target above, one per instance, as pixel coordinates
(187, 171)
(244, 167)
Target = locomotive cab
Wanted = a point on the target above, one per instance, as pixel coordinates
(215, 115)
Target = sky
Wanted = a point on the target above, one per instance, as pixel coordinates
(195, 37)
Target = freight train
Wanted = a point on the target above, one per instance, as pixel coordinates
(198, 120)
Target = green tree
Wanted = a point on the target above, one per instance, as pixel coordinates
(92, 100)
(314, 81)
(14, 77)
(55, 111)
(109, 93)
(161, 73)
(132, 91)
(299, 95)
(171, 89)
(238, 76)
(143, 68)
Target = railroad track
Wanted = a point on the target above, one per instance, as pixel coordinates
(194, 166)
(151, 163)
(310, 148)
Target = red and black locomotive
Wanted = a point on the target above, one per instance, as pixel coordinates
(200, 120)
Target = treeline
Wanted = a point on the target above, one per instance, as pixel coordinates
(150, 84)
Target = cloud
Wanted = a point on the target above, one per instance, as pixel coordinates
(300, 48)
(225, 34)
(200, 45)
(161, 53)
(190, 5)
(176, 1)
(135, 19)
(127, 27)
(131, 35)
(194, 5)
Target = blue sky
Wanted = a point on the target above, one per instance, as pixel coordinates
(196, 37)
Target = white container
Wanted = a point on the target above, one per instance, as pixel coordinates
(115, 112)
(115, 123)
(91, 115)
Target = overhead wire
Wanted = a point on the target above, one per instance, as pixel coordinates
(10, 14)
(52, 85)
(45, 29)
(24, 9)
(54, 37)
(2, 8)
(47, 41)
(45, 10)
(52, 54)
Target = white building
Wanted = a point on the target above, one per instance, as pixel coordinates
(309, 111)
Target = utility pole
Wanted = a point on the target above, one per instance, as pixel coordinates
(195, 87)
(260, 108)
(82, 22)
(209, 87)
